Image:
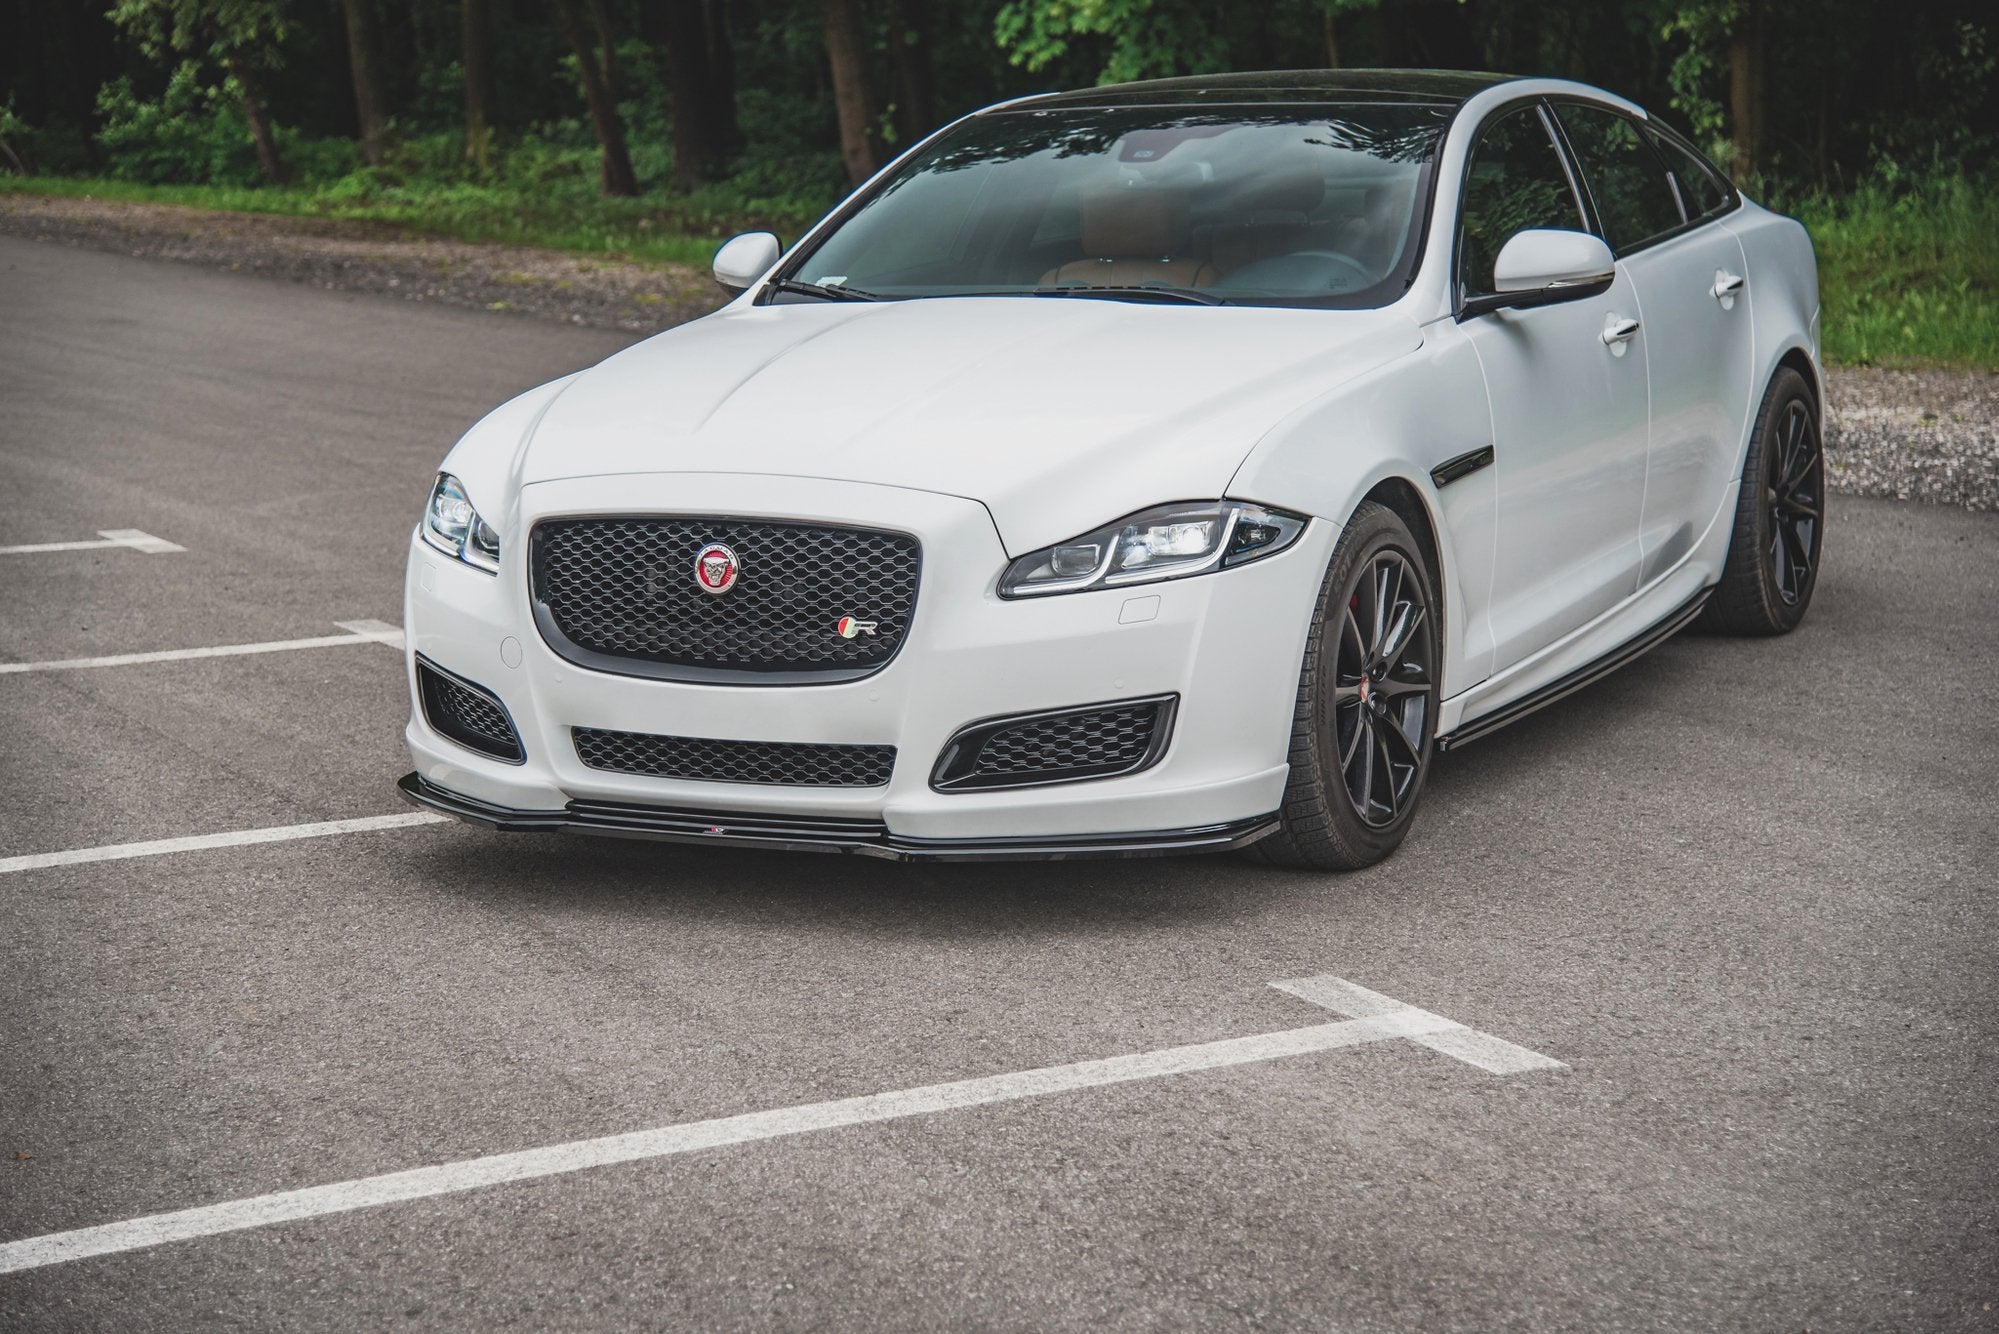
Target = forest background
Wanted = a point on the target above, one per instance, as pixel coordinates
(652, 129)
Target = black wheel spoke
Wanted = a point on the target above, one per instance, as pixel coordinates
(1792, 496)
(1363, 791)
(1400, 634)
(1391, 797)
(1391, 731)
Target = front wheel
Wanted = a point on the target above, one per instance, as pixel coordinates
(1363, 730)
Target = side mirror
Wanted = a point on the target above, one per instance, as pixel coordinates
(1542, 266)
(744, 259)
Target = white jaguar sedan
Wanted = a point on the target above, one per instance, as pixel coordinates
(1169, 467)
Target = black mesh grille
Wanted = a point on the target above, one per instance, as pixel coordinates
(467, 714)
(620, 594)
(1057, 747)
(790, 764)
(1072, 741)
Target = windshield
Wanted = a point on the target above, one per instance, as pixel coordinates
(1313, 206)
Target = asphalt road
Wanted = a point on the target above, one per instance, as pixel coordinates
(1743, 890)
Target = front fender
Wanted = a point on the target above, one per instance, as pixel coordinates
(1398, 421)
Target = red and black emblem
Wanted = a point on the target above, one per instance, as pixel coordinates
(715, 569)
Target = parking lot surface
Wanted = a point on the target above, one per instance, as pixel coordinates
(1737, 900)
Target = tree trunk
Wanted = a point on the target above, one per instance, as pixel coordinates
(600, 18)
(259, 121)
(476, 38)
(722, 78)
(685, 33)
(615, 165)
(1745, 93)
(1332, 34)
(364, 45)
(850, 89)
(910, 41)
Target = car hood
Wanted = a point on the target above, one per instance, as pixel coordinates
(1058, 414)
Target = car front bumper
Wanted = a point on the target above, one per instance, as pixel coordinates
(1227, 644)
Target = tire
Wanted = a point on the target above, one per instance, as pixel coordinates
(1363, 731)
(1773, 552)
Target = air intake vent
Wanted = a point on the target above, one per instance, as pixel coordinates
(1062, 746)
(779, 763)
(470, 715)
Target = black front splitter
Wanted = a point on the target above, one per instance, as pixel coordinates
(812, 833)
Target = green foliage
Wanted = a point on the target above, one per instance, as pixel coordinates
(193, 132)
(56, 148)
(204, 27)
(1149, 38)
(1909, 273)
(1698, 31)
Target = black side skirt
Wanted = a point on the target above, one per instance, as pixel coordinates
(804, 833)
(1675, 621)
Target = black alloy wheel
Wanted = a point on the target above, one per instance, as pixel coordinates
(1772, 566)
(1363, 724)
(1793, 480)
(1384, 688)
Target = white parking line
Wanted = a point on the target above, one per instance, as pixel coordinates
(357, 632)
(112, 852)
(106, 537)
(1383, 1019)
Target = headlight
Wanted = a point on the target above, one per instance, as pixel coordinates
(452, 526)
(1170, 542)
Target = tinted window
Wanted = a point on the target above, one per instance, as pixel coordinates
(1516, 182)
(1293, 205)
(1701, 189)
(1625, 177)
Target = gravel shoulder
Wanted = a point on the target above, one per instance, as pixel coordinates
(1923, 435)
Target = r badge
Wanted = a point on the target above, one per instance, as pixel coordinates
(848, 627)
(715, 569)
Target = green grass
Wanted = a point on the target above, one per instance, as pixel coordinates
(655, 229)
(1909, 280)
(1906, 279)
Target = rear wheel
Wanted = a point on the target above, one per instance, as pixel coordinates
(1773, 553)
(1362, 731)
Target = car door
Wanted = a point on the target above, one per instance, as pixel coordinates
(1567, 385)
(1656, 202)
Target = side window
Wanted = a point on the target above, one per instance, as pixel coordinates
(1516, 182)
(1701, 190)
(1634, 199)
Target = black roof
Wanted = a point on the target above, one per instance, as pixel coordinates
(1297, 85)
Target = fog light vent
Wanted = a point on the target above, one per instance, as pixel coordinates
(470, 715)
(1059, 746)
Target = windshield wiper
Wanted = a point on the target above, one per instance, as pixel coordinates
(825, 291)
(1199, 298)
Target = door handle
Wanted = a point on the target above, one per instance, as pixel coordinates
(1726, 285)
(1618, 329)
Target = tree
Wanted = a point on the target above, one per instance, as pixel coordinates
(699, 63)
(243, 36)
(911, 37)
(614, 173)
(859, 146)
(364, 61)
(476, 56)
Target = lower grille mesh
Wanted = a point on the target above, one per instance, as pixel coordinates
(781, 763)
(1092, 742)
(469, 715)
(1073, 741)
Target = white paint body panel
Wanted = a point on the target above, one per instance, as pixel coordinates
(992, 427)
